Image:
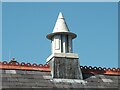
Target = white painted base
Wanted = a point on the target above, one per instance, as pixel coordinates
(67, 55)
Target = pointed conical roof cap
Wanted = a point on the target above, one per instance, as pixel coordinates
(60, 15)
(61, 28)
(60, 25)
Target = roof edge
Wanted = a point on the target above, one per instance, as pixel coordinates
(40, 67)
(24, 66)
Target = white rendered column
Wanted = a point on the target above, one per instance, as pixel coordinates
(57, 44)
(69, 44)
(64, 42)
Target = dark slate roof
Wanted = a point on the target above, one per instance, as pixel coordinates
(24, 76)
(42, 79)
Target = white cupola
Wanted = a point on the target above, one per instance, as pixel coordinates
(61, 37)
(63, 62)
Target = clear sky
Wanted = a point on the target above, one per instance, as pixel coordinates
(25, 26)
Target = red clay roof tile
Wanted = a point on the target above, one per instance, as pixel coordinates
(46, 67)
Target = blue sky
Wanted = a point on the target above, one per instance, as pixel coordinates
(25, 26)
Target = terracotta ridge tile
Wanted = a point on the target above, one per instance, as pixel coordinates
(24, 66)
(46, 67)
(100, 70)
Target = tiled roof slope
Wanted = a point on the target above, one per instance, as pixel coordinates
(23, 77)
(38, 79)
